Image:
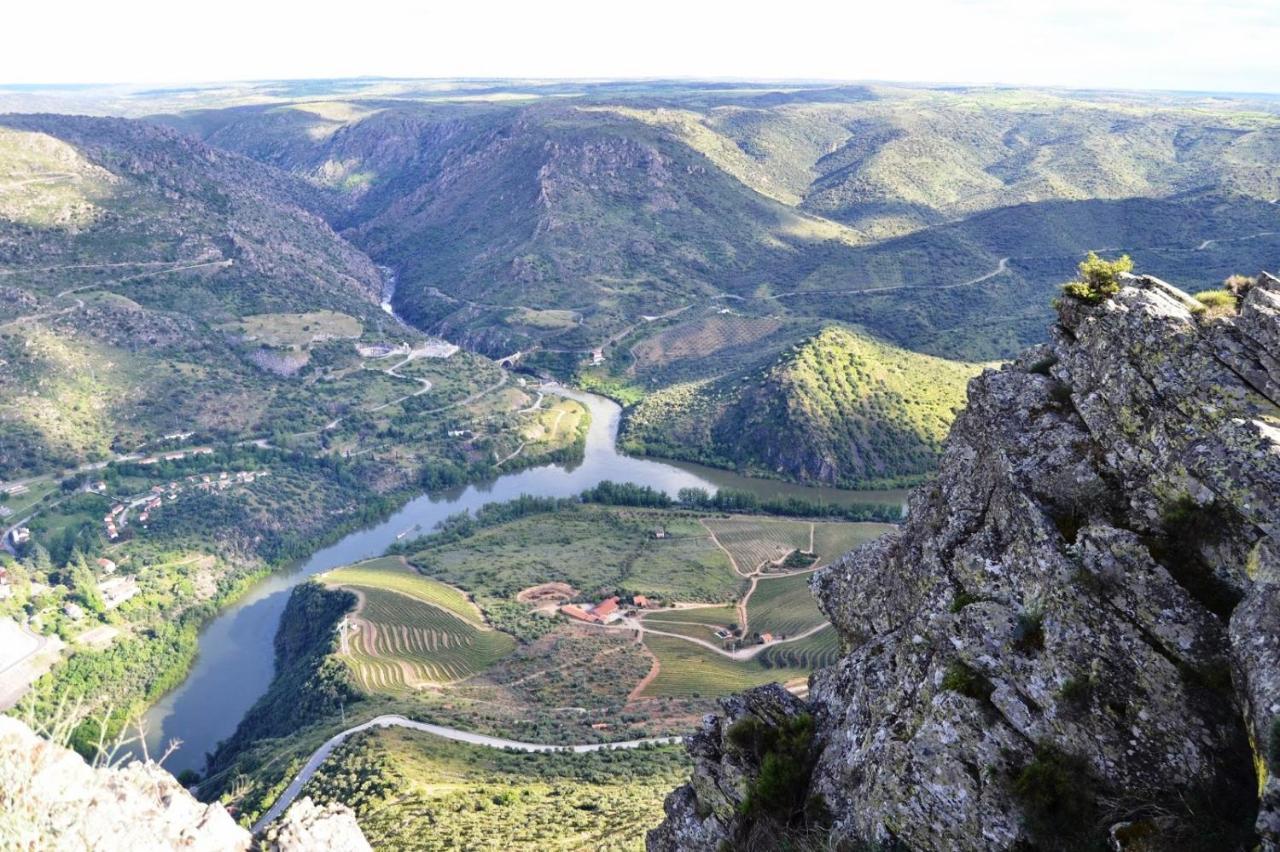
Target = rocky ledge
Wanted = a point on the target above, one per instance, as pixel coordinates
(51, 799)
(1073, 640)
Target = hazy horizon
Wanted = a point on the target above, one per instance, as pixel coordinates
(1194, 46)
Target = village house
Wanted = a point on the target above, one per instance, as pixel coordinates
(641, 601)
(766, 638)
(107, 566)
(21, 535)
(73, 611)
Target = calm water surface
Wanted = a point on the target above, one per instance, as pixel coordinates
(236, 650)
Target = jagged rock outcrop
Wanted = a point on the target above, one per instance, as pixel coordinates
(50, 799)
(1074, 640)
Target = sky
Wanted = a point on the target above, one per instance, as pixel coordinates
(1224, 45)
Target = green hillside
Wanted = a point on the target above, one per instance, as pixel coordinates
(890, 207)
(839, 408)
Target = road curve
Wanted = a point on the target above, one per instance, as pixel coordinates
(321, 754)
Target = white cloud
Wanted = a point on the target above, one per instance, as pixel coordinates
(1185, 44)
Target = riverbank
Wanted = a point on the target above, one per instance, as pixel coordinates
(233, 667)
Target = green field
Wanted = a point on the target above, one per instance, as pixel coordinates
(818, 651)
(756, 541)
(591, 548)
(831, 541)
(689, 670)
(700, 623)
(401, 642)
(412, 630)
(415, 792)
(783, 606)
(390, 572)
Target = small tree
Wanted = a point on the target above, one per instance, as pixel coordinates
(1099, 279)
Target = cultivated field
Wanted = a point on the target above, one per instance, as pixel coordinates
(701, 337)
(783, 606)
(298, 329)
(755, 541)
(401, 642)
(833, 540)
(814, 652)
(411, 631)
(390, 572)
(700, 623)
(689, 670)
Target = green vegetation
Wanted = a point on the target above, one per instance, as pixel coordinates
(415, 792)
(840, 408)
(593, 549)
(1028, 632)
(1099, 279)
(689, 670)
(1057, 793)
(783, 606)
(784, 754)
(391, 573)
(1218, 303)
(968, 681)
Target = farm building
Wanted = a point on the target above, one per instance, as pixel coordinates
(606, 611)
(641, 601)
(577, 612)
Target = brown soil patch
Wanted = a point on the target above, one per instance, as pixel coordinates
(547, 593)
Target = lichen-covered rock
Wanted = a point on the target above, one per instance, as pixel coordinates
(306, 826)
(50, 799)
(705, 813)
(1074, 639)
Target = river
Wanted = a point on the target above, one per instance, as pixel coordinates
(236, 655)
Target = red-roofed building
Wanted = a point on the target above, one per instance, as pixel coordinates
(606, 610)
(641, 601)
(574, 611)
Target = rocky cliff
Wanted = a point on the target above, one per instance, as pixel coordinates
(51, 799)
(1072, 642)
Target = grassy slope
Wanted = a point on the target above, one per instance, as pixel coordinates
(416, 792)
(841, 408)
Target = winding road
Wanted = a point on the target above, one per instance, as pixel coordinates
(319, 756)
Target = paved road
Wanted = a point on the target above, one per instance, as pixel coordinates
(321, 754)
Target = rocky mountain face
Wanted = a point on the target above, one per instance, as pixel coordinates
(1074, 640)
(51, 799)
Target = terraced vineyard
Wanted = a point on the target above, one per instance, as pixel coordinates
(412, 630)
(783, 606)
(754, 541)
(403, 643)
(813, 652)
(687, 670)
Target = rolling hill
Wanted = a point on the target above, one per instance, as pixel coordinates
(839, 408)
